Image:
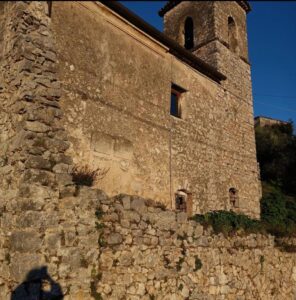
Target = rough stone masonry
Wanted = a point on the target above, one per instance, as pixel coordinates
(117, 81)
(64, 85)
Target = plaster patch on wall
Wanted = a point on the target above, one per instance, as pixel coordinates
(102, 143)
(111, 145)
(123, 148)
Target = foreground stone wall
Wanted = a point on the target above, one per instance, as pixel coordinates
(126, 247)
(151, 253)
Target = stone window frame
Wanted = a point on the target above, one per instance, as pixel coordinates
(178, 92)
(233, 197)
(186, 205)
(180, 202)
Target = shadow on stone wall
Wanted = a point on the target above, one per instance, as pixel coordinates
(38, 285)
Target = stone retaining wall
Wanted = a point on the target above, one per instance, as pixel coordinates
(126, 247)
(150, 253)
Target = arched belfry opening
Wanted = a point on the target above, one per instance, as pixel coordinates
(188, 33)
(232, 35)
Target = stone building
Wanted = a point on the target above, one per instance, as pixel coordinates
(266, 121)
(161, 118)
(93, 83)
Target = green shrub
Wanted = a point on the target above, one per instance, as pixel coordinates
(228, 222)
(273, 210)
(276, 153)
(291, 209)
(278, 211)
(278, 216)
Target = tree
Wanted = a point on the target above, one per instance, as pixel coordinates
(276, 153)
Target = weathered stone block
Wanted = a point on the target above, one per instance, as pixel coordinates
(62, 168)
(138, 204)
(114, 239)
(37, 126)
(25, 241)
(57, 145)
(38, 162)
(64, 179)
(52, 241)
(126, 202)
(113, 217)
(38, 176)
(23, 263)
(182, 217)
(166, 220)
(131, 216)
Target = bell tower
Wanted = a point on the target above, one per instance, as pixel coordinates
(215, 31)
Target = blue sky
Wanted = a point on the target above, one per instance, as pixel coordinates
(272, 52)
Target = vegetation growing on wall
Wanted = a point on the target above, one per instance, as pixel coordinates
(276, 218)
(229, 222)
(85, 175)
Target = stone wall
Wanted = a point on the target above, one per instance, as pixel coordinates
(32, 139)
(77, 242)
(151, 253)
(265, 121)
(34, 169)
(127, 247)
(116, 85)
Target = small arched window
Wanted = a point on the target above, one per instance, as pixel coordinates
(183, 201)
(233, 197)
(232, 35)
(188, 33)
